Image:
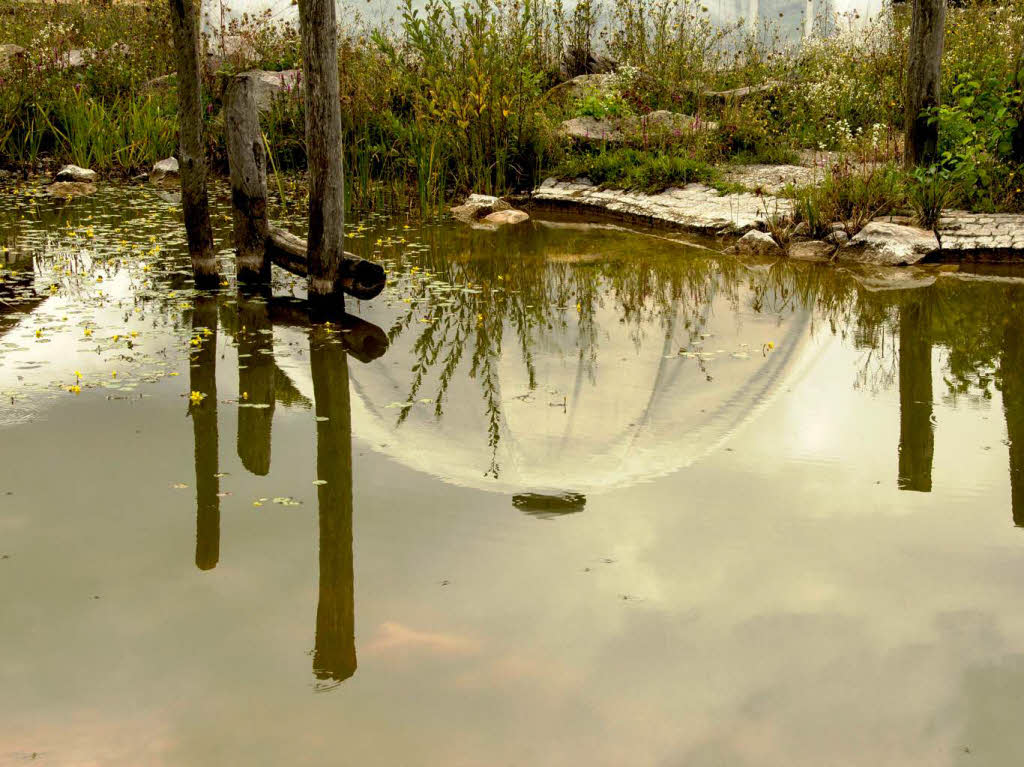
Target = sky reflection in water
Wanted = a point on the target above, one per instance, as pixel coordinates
(561, 495)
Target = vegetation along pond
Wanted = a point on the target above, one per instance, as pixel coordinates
(563, 494)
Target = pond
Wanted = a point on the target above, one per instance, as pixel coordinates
(563, 494)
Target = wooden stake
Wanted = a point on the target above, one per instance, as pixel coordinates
(924, 65)
(194, 202)
(247, 160)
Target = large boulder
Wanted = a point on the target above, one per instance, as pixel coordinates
(661, 124)
(886, 244)
(270, 85)
(164, 171)
(757, 243)
(75, 173)
(478, 206)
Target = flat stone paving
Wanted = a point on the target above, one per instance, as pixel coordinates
(695, 207)
(699, 208)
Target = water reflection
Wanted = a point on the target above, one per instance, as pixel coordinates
(917, 437)
(256, 384)
(203, 411)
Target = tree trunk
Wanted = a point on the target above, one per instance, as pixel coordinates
(924, 64)
(194, 203)
(1018, 133)
(323, 149)
(247, 160)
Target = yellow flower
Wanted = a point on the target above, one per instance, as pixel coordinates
(78, 375)
(39, 334)
(76, 389)
(88, 332)
(196, 397)
(245, 395)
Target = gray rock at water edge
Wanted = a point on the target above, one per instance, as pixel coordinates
(477, 206)
(811, 250)
(75, 173)
(502, 217)
(885, 244)
(269, 85)
(837, 236)
(757, 243)
(165, 170)
(70, 189)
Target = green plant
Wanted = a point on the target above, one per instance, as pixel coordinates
(634, 169)
(929, 191)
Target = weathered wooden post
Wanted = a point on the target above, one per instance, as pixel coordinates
(334, 653)
(203, 380)
(924, 65)
(192, 151)
(256, 385)
(917, 436)
(325, 239)
(1018, 133)
(247, 161)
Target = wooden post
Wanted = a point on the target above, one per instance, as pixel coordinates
(247, 161)
(917, 438)
(1018, 133)
(334, 653)
(924, 65)
(194, 202)
(203, 379)
(256, 385)
(325, 245)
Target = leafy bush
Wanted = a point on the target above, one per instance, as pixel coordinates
(633, 169)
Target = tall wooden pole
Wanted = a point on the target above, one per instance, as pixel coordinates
(247, 162)
(325, 249)
(192, 151)
(924, 65)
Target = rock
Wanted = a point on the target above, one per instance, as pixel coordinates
(269, 85)
(837, 237)
(886, 244)
(572, 89)
(477, 206)
(738, 94)
(164, 171)
(511, 216)
(811, 250)
(757, 243)
(662, 123)
(70, 189)
(9, 52)
(77, 58)
(75, 173)
(159, 83)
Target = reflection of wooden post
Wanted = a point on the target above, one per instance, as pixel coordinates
(323, 150)
(256, 385)
(1012, 372)
(192, 149)
(203, 379)
(334, 655)
(247, 161)
(917, 438)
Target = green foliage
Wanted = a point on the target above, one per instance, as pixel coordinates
(850, 195)
(928, 192)
(636, 170)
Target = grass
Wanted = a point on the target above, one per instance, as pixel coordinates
(634, 169)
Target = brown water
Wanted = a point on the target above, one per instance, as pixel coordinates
(605, 499)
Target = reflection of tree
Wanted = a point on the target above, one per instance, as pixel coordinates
(1011, 369)
(334, 655)
(256, 384)
(203, 379)
(917, 438)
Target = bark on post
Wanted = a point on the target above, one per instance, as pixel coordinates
(1018, 133)
(927, 35)
(192, 150)
(247, 161)
(323, 150)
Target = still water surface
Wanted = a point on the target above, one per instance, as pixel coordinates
(562, 495)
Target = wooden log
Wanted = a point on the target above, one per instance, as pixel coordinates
(192, 149)
(247, 160)
(325, 245)
(927, 35)
(356, 276)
